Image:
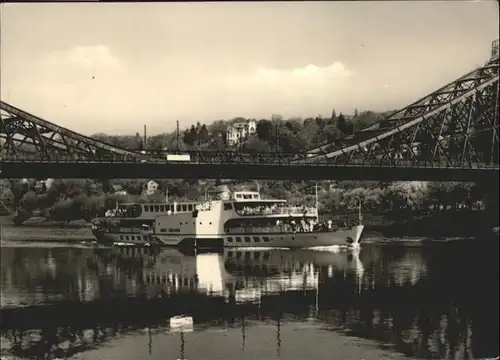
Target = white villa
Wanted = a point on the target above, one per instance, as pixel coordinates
(151, 187)
(240, 130)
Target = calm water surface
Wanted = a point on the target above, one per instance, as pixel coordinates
(387, 302)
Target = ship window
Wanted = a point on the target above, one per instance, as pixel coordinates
(163, 230)
(209, 223)
(230, 239)
(238, 196)
(238, 239)
(247, 239)
(157, 208)
(190, 207)
(256, 239)
(238, 254)
(178, 208)
(266, 239)
(247, 255)
(126, 237)
(257, 255)
(255, 196)
(162, 208)
(266, 256)
(247, 196)
(230, 253)
(121, 237)
(184, 207)
(228, 206)
(146, 208)
(132, 237)
(201, 223)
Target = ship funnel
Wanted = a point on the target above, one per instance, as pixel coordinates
(223, 192)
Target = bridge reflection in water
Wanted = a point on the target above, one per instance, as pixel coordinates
(396, 302)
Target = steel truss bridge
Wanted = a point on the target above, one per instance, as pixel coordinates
(450, 134)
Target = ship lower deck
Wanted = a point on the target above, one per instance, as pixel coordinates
(341, 237)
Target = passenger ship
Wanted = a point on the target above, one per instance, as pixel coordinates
(234, 219)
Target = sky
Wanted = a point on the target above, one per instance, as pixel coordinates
(114, 67)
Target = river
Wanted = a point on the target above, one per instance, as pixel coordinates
(385, 302)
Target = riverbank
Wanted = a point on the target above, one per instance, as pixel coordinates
(42, 234)
(445, 224)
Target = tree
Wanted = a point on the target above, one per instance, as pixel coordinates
(344, 126)
(157, 142)
(334, 116)
(331, 133)
(254, 144)
(292, 142)
(175, 145)
(294, 126)
(190, 136)
(264, 129)
(29, 202)
(62, 211)
(312, 133)
(364, 119)
(203, 135)
(139, 142)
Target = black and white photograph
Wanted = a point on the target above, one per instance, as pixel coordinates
(261, 180)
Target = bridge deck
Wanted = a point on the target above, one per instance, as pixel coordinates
(317, 171)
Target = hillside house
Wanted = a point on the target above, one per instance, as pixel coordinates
(240, 130)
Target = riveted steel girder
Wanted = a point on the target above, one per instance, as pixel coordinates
(456, 125)
(25, 136)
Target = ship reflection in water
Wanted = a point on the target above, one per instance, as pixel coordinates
(383, 302)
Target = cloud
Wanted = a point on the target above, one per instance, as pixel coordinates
(73, 87)
(294, 81)
(98, 57)
(303, 91)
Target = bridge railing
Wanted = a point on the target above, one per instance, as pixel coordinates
(256, 159)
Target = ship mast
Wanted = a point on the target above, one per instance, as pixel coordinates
(316, 198)
(360, 216)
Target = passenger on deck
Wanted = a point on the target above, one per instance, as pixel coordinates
(303, 227)
(311, 225)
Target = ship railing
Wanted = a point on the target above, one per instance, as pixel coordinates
(253, 230)
(204, 206)
(284, 228)
(128, 230)
(268, 229)
(291, 210)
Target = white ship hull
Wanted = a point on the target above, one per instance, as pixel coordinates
(342, 237)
